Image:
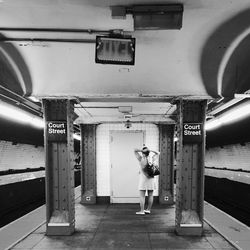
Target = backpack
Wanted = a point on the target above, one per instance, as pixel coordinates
(152, 169)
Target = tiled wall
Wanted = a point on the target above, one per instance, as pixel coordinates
(235, 156)
(20, 156)
(103, 150)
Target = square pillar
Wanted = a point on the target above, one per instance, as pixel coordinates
(190, 167)
(166, 178)
(88, 155)
(59, 162)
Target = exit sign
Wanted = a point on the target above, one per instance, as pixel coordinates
(192, 132)
(110, 50)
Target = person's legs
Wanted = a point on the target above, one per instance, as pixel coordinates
(142, 201)
(150, 200)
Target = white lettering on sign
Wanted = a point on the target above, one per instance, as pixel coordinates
(115, 49)
(56, 125)
(192, 126)
(188, 132)
(192, 132)
(57, 130)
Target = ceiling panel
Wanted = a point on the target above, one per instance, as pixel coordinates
(103, 112)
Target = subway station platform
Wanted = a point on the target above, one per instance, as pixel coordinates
(116, 226)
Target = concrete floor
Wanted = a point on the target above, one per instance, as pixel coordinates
(116, 226)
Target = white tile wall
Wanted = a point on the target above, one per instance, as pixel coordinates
(230, 156)
(20, 156)
(103, 150)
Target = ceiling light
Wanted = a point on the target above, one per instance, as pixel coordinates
(231, 116)
(34, 99)
(77, 137)
(19, 115)
(128, 124)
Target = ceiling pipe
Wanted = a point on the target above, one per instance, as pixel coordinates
(55, 30)
(57, 40)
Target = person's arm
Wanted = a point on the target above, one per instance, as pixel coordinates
(156, 154)
(137, 155)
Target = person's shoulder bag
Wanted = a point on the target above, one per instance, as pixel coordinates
(152, 169)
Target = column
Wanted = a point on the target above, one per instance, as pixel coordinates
(59, 162)
(166, 161)
(190, 167)
(88, 155)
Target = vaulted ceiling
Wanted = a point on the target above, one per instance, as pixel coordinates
(47, 50)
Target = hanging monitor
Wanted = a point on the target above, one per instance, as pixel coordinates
(112, 50)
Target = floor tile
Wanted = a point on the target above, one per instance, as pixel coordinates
(65, 242)
(29, 241)
(219, 242)
(120, 241)
(172, 241)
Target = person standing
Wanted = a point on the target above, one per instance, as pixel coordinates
(146, 183)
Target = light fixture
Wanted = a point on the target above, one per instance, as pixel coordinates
(231, 116)
(18, 115)
(34, 99)
(77, 137)
(128, 124)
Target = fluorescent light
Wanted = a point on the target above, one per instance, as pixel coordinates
(229, 117)
(19, 115)
(77, 137)
(34, 99)
(212, 124)
(37, 122)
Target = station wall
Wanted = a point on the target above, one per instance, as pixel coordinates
(20, 156)
(229, 161)
(103, 150)
(235, 156)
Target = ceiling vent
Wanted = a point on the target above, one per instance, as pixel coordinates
(125, 109)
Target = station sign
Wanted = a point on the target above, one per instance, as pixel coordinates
(57, 131)
(112, 50)
(192, 132)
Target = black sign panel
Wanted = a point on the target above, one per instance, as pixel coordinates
(57, 131)
(192, 132)
(115, 50)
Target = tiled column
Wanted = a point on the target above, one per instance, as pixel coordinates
(166, 178)
(190, 167)
(59, 152)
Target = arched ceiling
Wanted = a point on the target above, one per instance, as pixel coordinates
(168, 62)
(206, 58)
